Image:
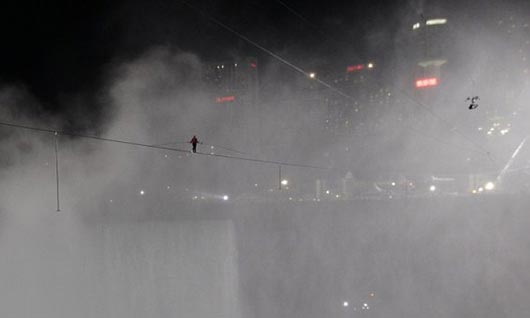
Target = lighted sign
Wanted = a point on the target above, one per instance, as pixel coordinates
(426, 82)
(224, 99)
(436, 21)
(353, 68)
(253, 65)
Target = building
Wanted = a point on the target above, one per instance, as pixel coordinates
(234, 81)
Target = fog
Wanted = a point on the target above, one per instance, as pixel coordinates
(152, 232)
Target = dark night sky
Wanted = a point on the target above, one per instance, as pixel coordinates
(61, 49)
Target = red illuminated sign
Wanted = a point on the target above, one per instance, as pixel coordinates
(353, 68)
(253, 65)
(426, 82)
(224, 99)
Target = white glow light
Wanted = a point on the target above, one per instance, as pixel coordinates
(432, 188)
(345, 304)
(142, 192)
(285, 182)
(436, 21)
(489, 186)
(312, 75)
(225, 197)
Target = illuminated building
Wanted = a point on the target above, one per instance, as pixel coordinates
(233, 81)
(429, 47)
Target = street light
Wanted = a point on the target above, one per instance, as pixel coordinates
(312, 75)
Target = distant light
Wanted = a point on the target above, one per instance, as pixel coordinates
(345, 304)
(256, 185)
(285, 182)
(337, 196)
(432, 188)
(416, 26)
(436, 21)
(393, 184)
(312, 75)
(372, 294)
(474, 191)
(168, 187)
(370, 65)
(225, 198)
(142, 192)
(253, 65)
(480, 189)
(489, 186)
(353, 68)
(327, 192)
(195, 197)
(426, 82)
(224, 99)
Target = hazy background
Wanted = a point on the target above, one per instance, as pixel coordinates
(145, 232)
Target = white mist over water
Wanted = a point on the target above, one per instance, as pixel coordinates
(131, 242)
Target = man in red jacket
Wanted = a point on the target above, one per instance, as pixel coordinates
(194, 141)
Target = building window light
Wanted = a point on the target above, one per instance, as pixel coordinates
(416, 26)
(436, 21)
